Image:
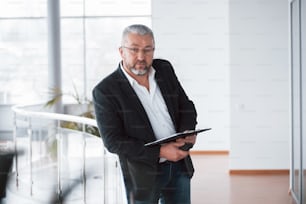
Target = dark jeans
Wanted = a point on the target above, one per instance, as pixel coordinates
(173, 185)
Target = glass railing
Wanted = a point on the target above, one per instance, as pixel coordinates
(61, 165)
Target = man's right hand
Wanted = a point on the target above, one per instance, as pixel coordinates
(171, 151)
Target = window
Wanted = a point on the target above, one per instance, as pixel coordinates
(90, 37)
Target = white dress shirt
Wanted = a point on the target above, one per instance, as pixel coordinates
(154, 105)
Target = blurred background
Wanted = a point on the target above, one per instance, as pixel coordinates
(242, 62)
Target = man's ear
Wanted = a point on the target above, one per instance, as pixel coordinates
(121, 52)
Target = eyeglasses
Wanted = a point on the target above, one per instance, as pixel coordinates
(135, 50)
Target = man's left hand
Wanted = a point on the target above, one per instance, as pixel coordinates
(188, 139)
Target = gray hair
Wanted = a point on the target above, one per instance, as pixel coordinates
(137, 29)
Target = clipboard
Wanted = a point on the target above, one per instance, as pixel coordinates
(176, 136)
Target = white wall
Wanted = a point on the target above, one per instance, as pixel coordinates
(193, 35)
(232, 58)
(259, 80)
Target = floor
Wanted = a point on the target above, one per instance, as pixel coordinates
(212, 184)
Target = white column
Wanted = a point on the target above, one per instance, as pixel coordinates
(54, 46)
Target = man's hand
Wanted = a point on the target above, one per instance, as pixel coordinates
(189, 139)
(171, 151)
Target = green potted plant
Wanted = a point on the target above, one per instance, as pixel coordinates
(82, 108)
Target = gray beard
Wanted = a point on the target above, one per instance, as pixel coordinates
(139, 72)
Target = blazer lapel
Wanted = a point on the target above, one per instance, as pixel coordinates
(132, 97)
(167, 95)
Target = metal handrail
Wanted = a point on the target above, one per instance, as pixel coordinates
(21, 110)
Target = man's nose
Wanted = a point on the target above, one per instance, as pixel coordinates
(141, 54)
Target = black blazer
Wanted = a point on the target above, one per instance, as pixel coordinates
(125, 127)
